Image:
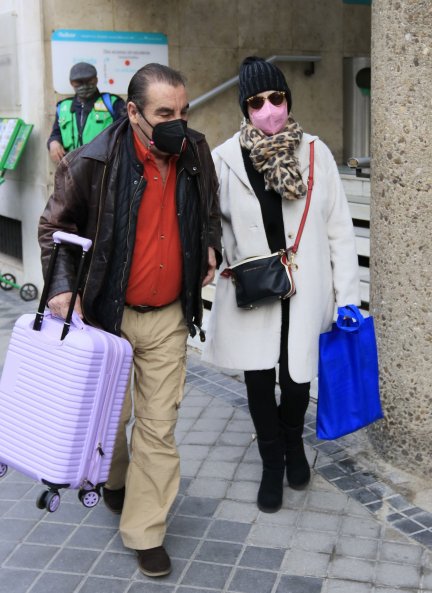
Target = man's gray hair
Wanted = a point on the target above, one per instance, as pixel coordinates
(141, 80)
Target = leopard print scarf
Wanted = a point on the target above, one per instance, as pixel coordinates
(274, 157)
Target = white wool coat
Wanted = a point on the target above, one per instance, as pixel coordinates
(249, 339)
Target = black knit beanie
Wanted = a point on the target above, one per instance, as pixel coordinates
(256, 76)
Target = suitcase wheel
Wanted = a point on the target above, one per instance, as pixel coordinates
(89, 498)
(3, 469)
(49, 500)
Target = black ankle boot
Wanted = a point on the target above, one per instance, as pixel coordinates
(271, 488)
(297, 466)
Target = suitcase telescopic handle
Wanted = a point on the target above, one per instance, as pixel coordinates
(58, 238)
(62, 237)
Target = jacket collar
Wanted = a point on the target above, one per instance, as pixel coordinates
(102, 147)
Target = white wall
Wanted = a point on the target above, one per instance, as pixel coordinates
(24, 193)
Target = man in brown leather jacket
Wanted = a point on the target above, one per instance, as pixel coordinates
(145, 192)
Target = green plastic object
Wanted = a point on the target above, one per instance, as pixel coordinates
(14, 134)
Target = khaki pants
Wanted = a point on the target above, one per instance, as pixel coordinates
(152, 474)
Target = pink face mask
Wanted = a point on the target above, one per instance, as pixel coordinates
(270, 118)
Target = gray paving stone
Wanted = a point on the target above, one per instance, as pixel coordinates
(14, 490)
(294, 584)
(354, 569)
(32, 556)
(235, 438)
(201, 437)
(68, 512)
(198, 506)
(149, 588)
(259, 557)
(305, 563)
(397, 575)
(326, 501)
(23, 509)
(188, 526)
(74, 560)
(403, 553)
(242, 425)
(194, 590)
(199, 452)
(230, 531)
(190, 411)
(359, 547)
(14, 580)
(209, 487)
(202, 574)
(180, 547)
(237, 511)
(56, 582)
(218, 469)
(93, 537)
(190, 467)
(14, 530)
(224, 453)
(360, 527)
(246, 491)
(315, 541)
(218, 411)
(103, 585)
(272, 536)
(249, 472)
(319, 521)
(282, 517)
(246, 580)
(50, 533)
(6, 548)
(113, 564)
(219, 552)
(210, 424)
(5, 506)
(340, 586)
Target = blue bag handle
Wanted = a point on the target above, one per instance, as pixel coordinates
(349, 318)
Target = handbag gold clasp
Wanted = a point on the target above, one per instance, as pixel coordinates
(292, 264)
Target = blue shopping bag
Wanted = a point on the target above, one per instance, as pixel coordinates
(348, 389)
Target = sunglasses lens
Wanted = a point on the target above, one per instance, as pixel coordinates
(256, 102)
(276, 98)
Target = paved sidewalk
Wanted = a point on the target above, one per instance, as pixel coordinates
(349, 532)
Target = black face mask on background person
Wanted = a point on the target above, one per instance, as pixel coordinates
(168, 136)
(85, 91)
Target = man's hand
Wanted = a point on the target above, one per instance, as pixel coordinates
(59, 305)
(56, 151)
(211, 267)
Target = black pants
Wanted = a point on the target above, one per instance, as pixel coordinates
(260, 385)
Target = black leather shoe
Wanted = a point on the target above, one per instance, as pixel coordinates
(114, 499)
(154, 562)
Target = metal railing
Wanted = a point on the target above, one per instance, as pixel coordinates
(233, 81)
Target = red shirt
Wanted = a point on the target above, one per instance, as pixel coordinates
(156, 271)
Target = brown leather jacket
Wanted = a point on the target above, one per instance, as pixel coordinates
(96, 195)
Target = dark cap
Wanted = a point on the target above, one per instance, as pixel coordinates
(256, 76)
(82, 70)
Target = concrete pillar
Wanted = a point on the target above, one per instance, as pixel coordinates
(401, 222)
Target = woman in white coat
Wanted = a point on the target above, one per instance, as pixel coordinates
(263, 172)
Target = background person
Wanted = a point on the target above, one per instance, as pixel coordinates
(82, 117)
(262, 173)
(145, 192)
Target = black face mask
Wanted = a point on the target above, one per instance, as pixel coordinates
(168, 136)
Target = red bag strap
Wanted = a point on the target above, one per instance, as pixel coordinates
(295, 247)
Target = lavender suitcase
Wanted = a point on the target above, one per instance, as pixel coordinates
(61, 395)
